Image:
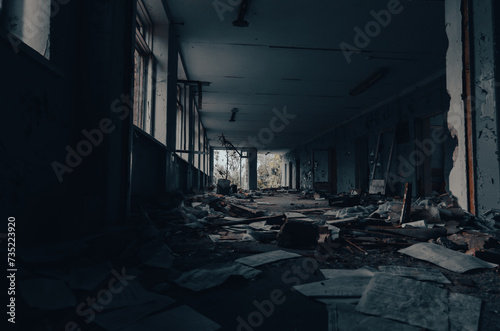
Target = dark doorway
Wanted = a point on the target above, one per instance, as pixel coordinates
(321, 170)
(332, 169)
(362, 163)
(430, 162)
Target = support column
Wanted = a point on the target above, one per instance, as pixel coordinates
(190, 131)
(171, 135)
(173, 56)
(485, 77)
(456, 114)
(211, 167)
(472, 74)
(252, 168)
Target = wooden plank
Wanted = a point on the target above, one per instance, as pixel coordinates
(405, 212)
(280, 219)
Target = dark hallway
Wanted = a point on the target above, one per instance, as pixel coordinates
(382, 118)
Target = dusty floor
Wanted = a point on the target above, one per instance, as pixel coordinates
(233, 301)
(237, 304)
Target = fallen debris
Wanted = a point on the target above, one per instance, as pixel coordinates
(344, 317)
(337, 286)
(121, 318)
(298, 234)
(421, 274)
(405, 212)
(275, 220)
(265, 258)
(177, 319)
(425, 305)
(211, 276)
(446, 258)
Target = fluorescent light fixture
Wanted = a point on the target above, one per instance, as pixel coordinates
(367, 83)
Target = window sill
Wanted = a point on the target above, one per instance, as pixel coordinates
(7, 38)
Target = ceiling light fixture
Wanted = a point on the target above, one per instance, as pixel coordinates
(367, 83)
(233, 115)
(240, 21)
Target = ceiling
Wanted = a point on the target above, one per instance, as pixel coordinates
(290, 56)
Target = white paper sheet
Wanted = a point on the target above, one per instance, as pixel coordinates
(445, 258)
(265, 258)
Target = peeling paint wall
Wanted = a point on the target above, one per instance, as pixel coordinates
(486, 114)
(455, 116)
(160, 51)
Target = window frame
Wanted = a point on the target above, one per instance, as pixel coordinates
(143, 98)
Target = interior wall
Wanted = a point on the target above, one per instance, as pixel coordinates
(65, 133)
(454, 85)
(425, 99)
(486, 121)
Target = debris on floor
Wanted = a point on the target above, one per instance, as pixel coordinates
(211, 276)
(265, 258)
(371, 261)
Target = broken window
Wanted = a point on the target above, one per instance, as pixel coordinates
(143, 59)
(27, 22)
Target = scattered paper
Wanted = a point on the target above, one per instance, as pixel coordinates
(333, 273)
(445, 257)
(344, 317)
(88, 278)
(406, 300)
(47, 294)
(416, 224)
(465, 312)
(132, 294)
(182, 318)
(208, 277)
(265, 258)
(348, 285)
(422, 274)
(121, 318)
(157, 254)
(332, 212)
